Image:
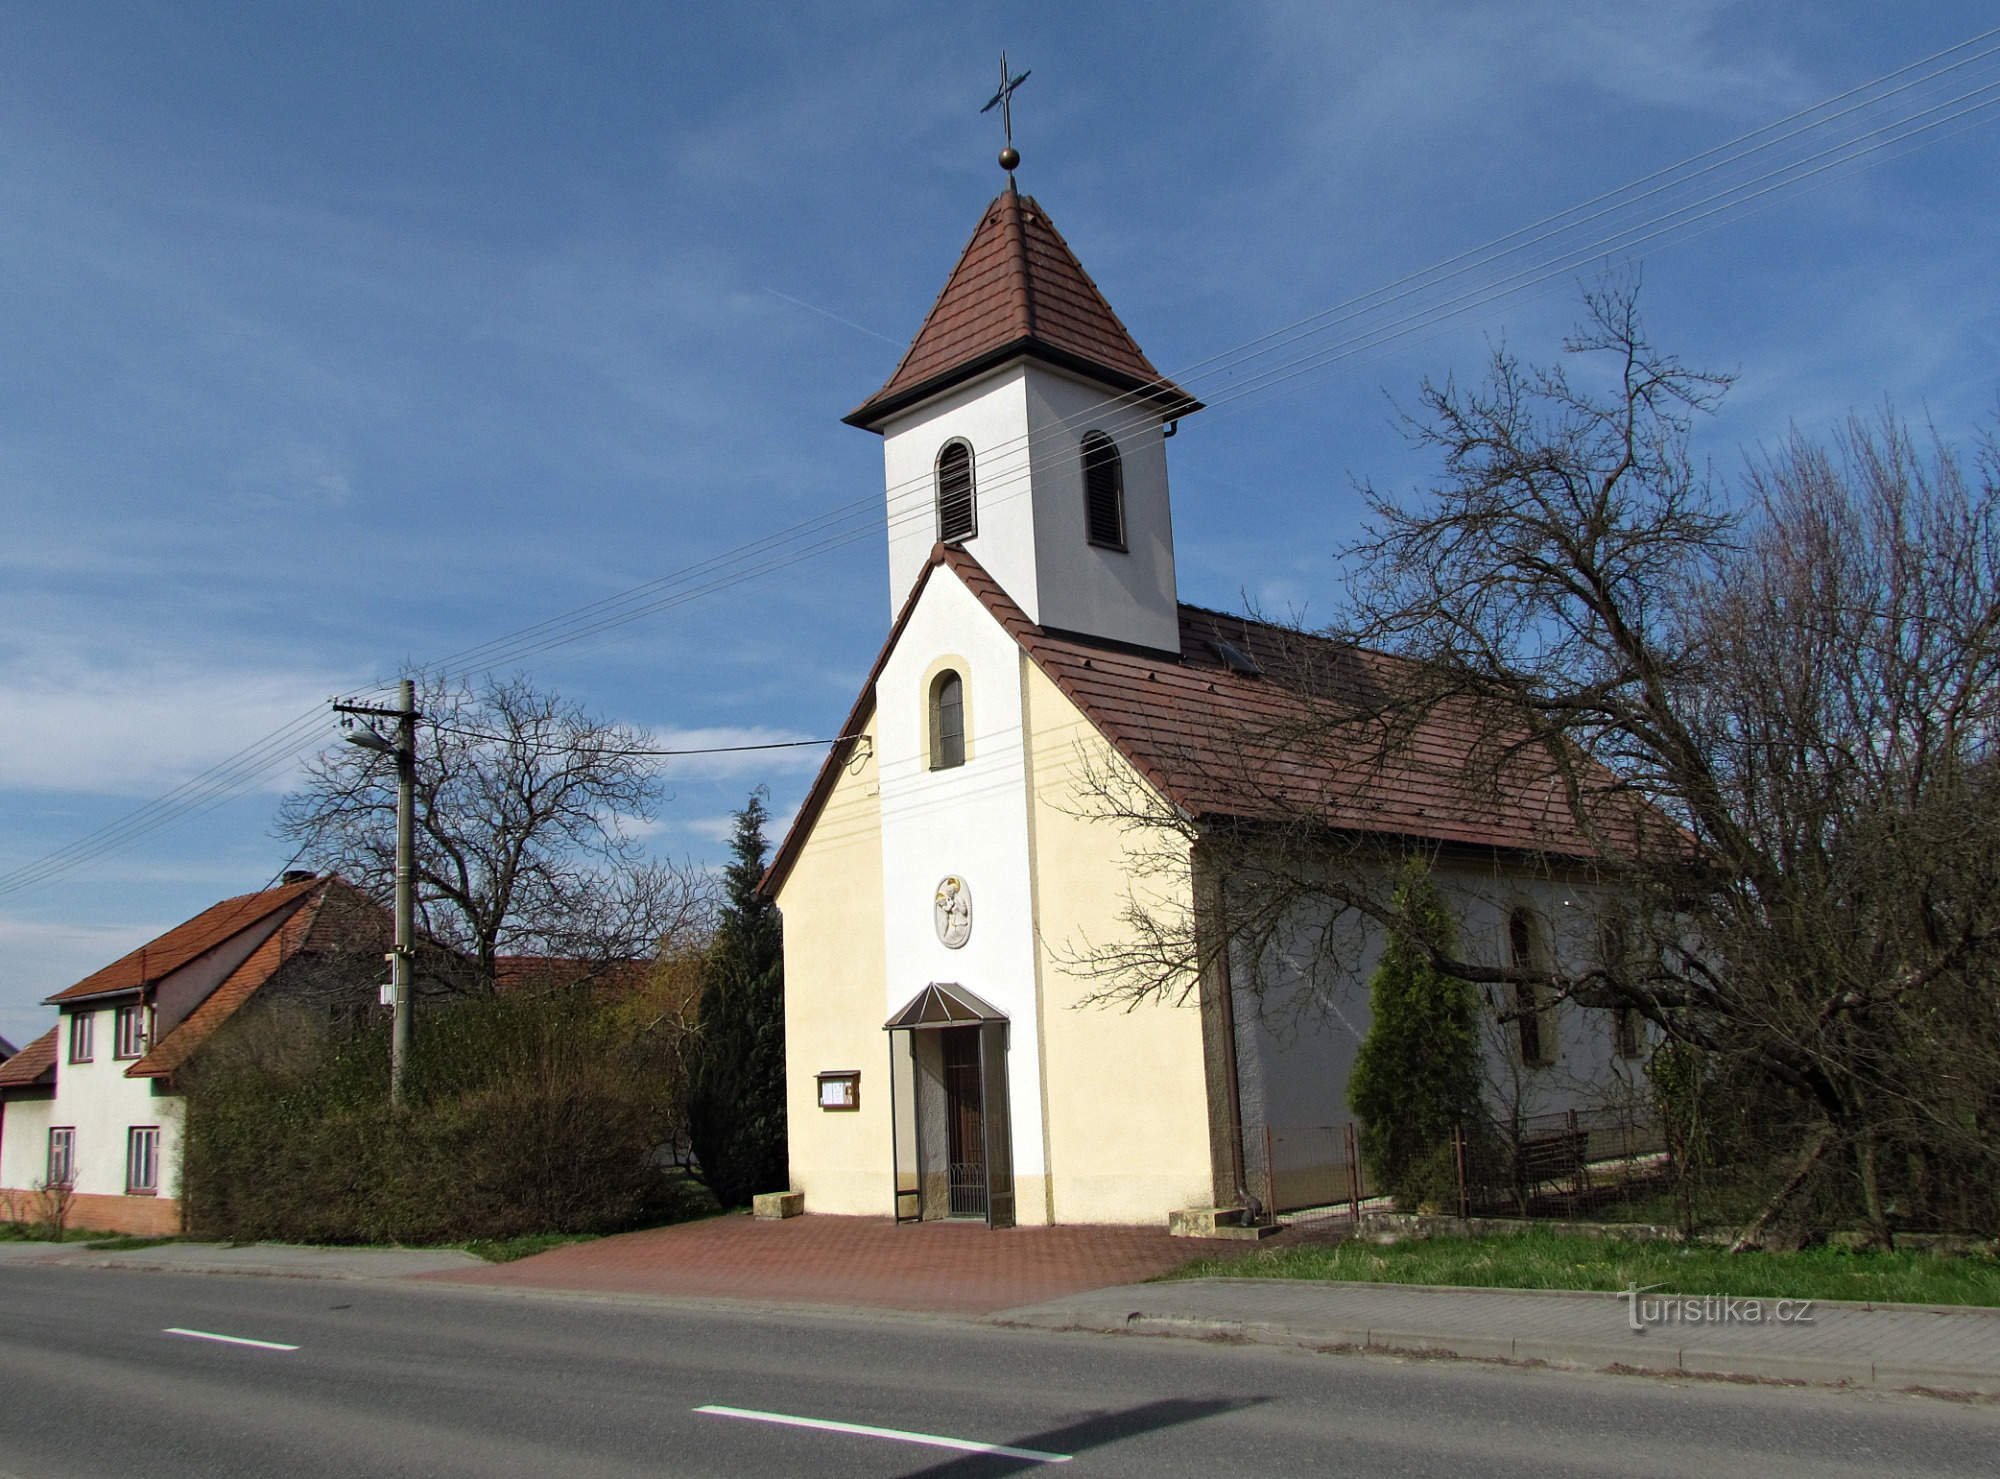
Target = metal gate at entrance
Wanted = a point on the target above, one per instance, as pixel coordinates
(965, 1136)
(948, 1109)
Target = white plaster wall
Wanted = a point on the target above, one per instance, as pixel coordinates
(1127, 595)
(1297, 1041)
(24, 1142)
(991, 414)
(970, 821)
(102, 1104)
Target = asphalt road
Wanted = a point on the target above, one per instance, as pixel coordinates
(398, 1379)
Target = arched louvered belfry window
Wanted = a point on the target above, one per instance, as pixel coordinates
(1103, 491)
(947, 721)
(957, 519)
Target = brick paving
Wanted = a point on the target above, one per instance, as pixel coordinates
(953, 1268)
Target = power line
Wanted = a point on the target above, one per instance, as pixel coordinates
(861, 518)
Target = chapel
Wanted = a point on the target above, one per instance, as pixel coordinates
(946, 1056)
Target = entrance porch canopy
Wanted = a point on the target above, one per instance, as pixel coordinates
(943, 1004)
(951, 1141)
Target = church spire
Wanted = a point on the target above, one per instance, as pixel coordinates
(1018, 291)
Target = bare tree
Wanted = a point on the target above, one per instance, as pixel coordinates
(1764, 724)
(526, 816)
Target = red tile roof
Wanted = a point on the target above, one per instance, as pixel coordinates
(185, 941)
(34, 1064)
(1019, 290)
(1311, 732)
(513, 973)
(336, 916)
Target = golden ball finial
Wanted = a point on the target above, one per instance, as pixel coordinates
(1010, 157)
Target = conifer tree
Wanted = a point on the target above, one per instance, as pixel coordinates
(736, 1101)
(1418, 1072)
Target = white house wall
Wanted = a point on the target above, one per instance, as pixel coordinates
(24, 1143)
(969, 821)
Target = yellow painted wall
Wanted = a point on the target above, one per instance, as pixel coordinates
(832, 909)
(1127, 1101)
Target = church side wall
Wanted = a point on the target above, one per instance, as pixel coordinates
(1297, 1044)
(832, 909)
(1127, 1090)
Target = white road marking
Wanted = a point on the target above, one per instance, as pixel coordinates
(894, 1435)
(262, 1345)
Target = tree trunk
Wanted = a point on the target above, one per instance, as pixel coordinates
(1865, 1167)
(1752, 1236)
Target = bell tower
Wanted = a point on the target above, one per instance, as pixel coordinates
(1025, 424)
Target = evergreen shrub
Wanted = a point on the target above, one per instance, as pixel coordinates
(1419, 1071)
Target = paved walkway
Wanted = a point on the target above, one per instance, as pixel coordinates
(953, 1268)
(1888, 1346)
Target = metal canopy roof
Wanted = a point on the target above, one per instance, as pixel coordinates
(943, 1004)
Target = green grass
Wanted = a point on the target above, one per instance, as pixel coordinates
(124, 1242)
(38, 1232)
(1545, 1261)
(506, 1250)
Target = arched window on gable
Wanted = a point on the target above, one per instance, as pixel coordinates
(1103, 491)
(957, 519)
(947, 721)
(1534, 1017)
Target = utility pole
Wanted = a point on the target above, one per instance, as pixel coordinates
(404, 748)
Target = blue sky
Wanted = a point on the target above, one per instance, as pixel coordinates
(340, 336)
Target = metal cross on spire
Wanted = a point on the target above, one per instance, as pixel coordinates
(1004, 101)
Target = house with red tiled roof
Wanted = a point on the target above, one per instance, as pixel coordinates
(93, 1103)
(961, 858)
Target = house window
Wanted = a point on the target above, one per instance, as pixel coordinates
(82, 1036)
(1103, 491)
(62, 1157)
(142, 1161)
(1628, 1032)
(131, 1032)
(947, 721)
(957, 520)
(1534, 1018)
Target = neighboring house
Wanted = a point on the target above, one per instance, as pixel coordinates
(93, 1103)
(954, 856)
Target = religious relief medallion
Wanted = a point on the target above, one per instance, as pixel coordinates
(952, 907)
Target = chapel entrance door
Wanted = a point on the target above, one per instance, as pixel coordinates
(965, 1126)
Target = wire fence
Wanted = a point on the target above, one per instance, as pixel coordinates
(1564, 1165)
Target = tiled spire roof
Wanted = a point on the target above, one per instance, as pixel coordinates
(1019, 290)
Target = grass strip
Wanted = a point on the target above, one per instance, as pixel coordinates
(1538, 1260)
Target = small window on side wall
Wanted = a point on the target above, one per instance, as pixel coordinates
(957, 517)
(947, 721)
(1534, 1018)
(1103, 491)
